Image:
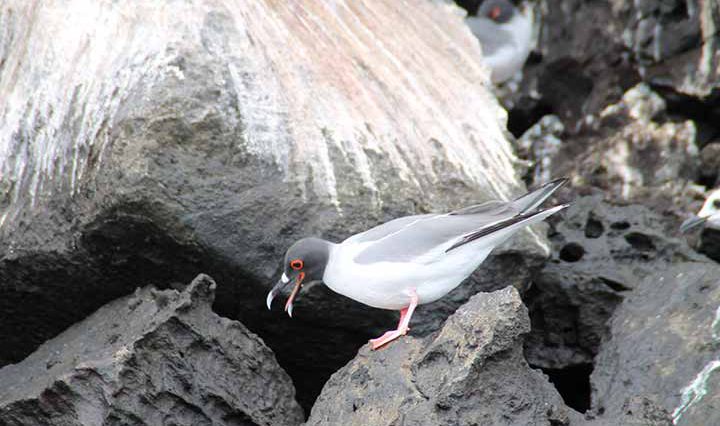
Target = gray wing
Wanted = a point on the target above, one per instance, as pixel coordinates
(408, 238)
(387, 228)
(429, 232)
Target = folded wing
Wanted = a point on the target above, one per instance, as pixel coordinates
(425, 238)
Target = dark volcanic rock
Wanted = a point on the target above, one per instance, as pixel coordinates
(156, 357)
(471, 372)
(630, 149)
(636, 411)
(601, 252)
(665, 344)
(676, 44)
(590, 52)
(172, 138)
(710, 164)
(580, 66)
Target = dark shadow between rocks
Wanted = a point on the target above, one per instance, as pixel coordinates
(573, 385)
(526, 114)
(703, 111)
(46, 292)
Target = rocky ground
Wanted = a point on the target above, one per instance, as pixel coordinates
(141, 146)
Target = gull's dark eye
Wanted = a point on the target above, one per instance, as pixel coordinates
(716, 204)
(296, 264)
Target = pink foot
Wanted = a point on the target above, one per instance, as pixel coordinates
(386, 338)
(403, 325)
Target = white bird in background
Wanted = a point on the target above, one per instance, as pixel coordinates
(412, 260)
(709, 214)
(505, 35)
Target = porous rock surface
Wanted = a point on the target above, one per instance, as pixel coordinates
(665, 345)
(601, 254)
(155, 357)
(471, 372)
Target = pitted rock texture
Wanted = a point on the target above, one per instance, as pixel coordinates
(471, 372)
(601, 253)
(165, 139)
(664, 344)
(155, 357)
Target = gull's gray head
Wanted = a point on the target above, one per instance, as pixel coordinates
(500, 11)
(305, 262)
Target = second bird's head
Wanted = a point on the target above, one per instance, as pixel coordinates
(305, 262)
(500, 11)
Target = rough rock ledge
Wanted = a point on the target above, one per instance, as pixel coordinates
(155, 357)
(471, 372)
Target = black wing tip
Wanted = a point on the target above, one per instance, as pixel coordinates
(552, 185)
(504, 224)
(556, 182)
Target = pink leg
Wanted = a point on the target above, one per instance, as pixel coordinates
(402, 328)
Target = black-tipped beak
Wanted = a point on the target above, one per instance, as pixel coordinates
(282, 282)
(691, 223)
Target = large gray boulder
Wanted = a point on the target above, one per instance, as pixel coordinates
(146, 143)
(471, 372)
(155, 357)
(664, 345)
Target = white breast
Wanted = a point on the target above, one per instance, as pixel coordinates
(388, 285)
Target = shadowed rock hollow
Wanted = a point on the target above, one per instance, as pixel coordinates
(155, 357)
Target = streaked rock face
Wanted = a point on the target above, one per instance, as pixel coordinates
(300, 86)
(146, 143)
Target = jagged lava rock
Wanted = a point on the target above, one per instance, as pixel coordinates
(472, 372)
(676, 43)
(144, 143)
(155, 357)
(601, 252)
(631, 150)
(589, 53)
(665, 345)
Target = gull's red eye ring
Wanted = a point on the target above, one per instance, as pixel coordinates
(494, 13)
(296, 264)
